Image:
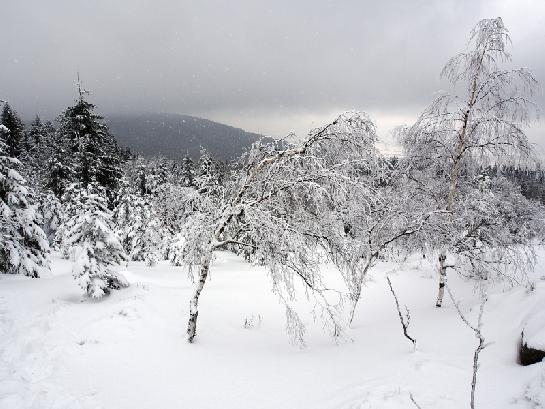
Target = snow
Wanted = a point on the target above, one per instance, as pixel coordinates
(534, 330)
(59, 350)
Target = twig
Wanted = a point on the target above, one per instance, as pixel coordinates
(405, 319)
(414, 401)
(478, 334)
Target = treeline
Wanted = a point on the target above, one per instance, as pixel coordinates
(69, 186)
(531, 181)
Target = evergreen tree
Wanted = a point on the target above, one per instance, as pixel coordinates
(14, 138)
(60, 173)
(160, 173)
(24, 248)
(86, 151)
(38, 149)
(36, 130)
(89, 237)
(187, 172)
(52, 211)
(138, 227)
(4, 132)
(208, 174)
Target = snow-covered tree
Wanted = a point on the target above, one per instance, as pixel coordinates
(207, 174)
(88, 236)
(138, 227)
(187, 172)
(285, 204)
(160, 171)
(383, 226)
(148, 176)
(53, 213)
(458, 135)
(496, 227)
(85, 150)
(14, 138)
(24, 248)
(60, 167)
(157, 187)
(39, 148)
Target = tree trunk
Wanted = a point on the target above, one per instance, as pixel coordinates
(359, 285)
(442, 279)
(355, 298)
(455, 172)
(194, 303)
(475, 369)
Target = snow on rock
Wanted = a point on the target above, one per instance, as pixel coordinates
(533, 334)
(534, 330)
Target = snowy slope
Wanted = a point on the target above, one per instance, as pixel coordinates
(128, 351)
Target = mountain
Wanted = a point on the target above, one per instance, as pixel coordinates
(174, 135)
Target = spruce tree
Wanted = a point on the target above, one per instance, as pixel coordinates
(138, 227)
(38, 149)
(94, 148)
(86, 151)
(52, 211)
(36, 130)
(59, 167)
(89, 237)
(24, 248)
(208, 175)
(14, 138)
(187, 172)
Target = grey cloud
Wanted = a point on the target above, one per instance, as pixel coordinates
(246, 62)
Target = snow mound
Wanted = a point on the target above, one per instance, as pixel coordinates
(534, 329)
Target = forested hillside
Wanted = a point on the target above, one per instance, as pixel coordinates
(175, 136)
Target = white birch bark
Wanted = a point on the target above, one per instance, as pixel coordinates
(194, 302)
(442, 279)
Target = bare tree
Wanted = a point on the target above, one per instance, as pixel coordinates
(457, 136)
(477, 330)
(286, 207)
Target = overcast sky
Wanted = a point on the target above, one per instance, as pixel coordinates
(265, 66)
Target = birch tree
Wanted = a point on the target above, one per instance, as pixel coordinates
(286, 205)
(382, 226)
(457, 135)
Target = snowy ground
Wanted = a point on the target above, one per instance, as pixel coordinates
(128, 351)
